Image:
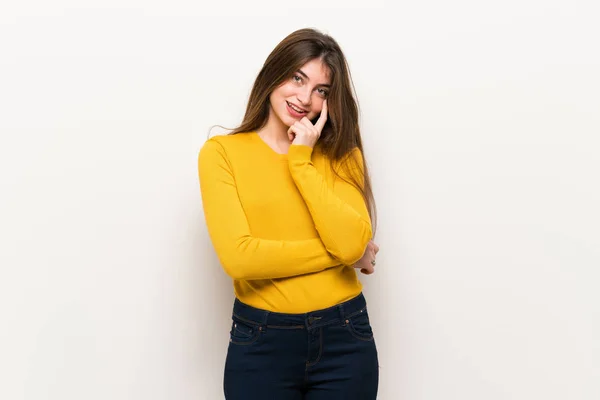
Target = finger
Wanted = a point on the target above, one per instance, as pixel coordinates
(373, 246)
(309, 127)
(296, 129)
(293, 130)
(367, 271)
(323, 118)
(291, 133)
(311, 131)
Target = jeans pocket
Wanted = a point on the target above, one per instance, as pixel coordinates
(359, 325)
(243, 332)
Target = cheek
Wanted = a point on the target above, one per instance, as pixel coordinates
(276, 100)
(285, 90)
(315, 113)
(275, 95)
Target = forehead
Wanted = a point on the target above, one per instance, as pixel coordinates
(317, 72)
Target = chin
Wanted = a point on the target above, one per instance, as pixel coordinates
(286, 118)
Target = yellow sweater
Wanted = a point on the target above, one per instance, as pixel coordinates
(282, 227)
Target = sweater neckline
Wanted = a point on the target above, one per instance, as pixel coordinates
(265, 145)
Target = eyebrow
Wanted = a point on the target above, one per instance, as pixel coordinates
(308, 79)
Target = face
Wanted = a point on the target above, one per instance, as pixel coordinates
(305, 91)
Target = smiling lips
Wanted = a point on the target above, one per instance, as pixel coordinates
(296, 108)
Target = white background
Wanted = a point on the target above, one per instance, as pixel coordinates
(480, 123)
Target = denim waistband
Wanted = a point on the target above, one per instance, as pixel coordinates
(311, 319)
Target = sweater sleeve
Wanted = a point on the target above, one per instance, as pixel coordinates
(242, 255)
(339, 213)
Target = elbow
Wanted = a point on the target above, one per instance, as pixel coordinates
(239, 262)
(232, 265)
(350, 257)
(234, 270)
(352, 250)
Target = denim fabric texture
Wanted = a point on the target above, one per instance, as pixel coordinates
(323, 354)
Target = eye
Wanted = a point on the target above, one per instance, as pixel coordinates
(323, 92)
(297, 80)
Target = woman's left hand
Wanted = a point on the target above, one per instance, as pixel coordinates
(304, 132)
(366, 263)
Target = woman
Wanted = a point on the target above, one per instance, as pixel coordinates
(288, 205)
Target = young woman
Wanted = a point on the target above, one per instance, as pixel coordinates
(288, 205)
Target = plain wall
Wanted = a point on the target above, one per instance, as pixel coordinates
(480, 123)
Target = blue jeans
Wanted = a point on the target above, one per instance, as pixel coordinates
(320, 355)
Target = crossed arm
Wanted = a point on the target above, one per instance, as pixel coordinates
(339, 214)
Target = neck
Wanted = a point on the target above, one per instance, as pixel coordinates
(275, 132)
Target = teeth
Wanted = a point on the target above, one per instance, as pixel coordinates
(294, 108)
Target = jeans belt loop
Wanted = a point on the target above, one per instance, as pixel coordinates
(342, 314)
(263, 325)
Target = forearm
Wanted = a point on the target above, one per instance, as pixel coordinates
(339, 214)
(253, 258)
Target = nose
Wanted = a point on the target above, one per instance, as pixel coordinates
(303, 96)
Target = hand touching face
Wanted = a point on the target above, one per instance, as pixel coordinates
(304, 132)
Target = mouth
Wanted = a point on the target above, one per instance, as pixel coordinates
(296, 109)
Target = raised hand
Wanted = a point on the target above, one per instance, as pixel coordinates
(304, 132)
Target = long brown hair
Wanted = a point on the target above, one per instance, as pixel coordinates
(341, 132)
